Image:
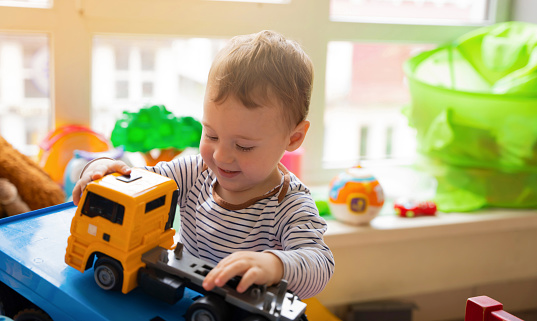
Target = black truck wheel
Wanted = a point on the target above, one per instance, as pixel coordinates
(108, 274)
(208, 308)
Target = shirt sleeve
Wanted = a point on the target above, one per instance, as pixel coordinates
(307, 260)
(183, 170)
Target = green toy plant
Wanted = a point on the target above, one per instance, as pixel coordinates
(155, 128)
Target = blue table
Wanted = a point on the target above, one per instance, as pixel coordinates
(32, 250)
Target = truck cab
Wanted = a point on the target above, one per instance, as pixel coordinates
(119, 218)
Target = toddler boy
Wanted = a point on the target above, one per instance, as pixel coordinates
(240, 208)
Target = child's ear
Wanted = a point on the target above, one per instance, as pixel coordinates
(297, 135)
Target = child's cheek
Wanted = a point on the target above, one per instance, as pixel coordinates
(205, 151)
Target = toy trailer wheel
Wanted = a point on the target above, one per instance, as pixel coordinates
(208, 308)
(31, 315)
(108, 274)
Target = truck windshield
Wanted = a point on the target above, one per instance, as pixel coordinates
(96, 205)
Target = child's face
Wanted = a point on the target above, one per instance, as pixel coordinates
(243, 146)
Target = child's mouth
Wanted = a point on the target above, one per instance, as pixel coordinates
(226, 173)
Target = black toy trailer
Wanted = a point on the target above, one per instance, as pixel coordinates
(169, 272)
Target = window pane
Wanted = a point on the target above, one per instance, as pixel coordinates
(132, 72)
(27, 3)
(365, 92)
(156, 203)
(96, 205)
(25, 111)
(411, 11)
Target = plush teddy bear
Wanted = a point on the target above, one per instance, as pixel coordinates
(10, 200)
(21, 174)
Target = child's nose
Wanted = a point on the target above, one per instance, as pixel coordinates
(223, 155)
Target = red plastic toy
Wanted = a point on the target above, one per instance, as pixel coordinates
(483, 308)
(411, 208)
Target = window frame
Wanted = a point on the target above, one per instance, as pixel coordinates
(71, 26)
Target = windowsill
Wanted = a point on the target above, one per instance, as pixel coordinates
(394, 257)
(386, 228)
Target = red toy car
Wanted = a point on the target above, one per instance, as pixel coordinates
(410, 208)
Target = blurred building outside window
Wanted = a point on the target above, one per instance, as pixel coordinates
(365, 92)
(133, 72)
(25, 105)
(411, 11)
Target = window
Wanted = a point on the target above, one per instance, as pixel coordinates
(154, 204)
(421, 11)
(24, 90)
(96, 205)
(107, 56)
(365, 91)
(130, 72)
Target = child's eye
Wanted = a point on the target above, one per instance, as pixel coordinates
(244, 149)
(211, 137)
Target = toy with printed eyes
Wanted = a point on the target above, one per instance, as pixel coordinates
(356, 196)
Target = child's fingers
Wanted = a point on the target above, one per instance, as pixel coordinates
(208, 282)
(80, 187)
(95, 172)
(214, 278)
(219, 275)
(255, 268)
(229, 271)
(77, 193)
(251, 276)
(119, 167)
(102, 169)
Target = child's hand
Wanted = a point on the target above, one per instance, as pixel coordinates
(96, 170)
(255, 267)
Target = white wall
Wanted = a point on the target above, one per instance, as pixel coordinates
(525, 10)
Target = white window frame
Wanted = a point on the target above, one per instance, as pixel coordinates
(71, 25)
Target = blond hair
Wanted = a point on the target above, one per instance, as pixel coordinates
(253, 68)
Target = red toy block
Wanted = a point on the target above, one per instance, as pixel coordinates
(483, 308)
(480, 307)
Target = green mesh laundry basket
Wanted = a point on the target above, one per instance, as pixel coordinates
(474, 106)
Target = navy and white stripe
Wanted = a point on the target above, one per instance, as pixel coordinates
(291, 229)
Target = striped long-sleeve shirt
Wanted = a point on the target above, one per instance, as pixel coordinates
(285, 222)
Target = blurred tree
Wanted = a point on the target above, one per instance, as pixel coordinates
(155, 128)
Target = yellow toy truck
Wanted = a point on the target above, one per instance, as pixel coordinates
(119, 219)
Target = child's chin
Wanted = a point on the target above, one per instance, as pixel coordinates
(232, 186)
